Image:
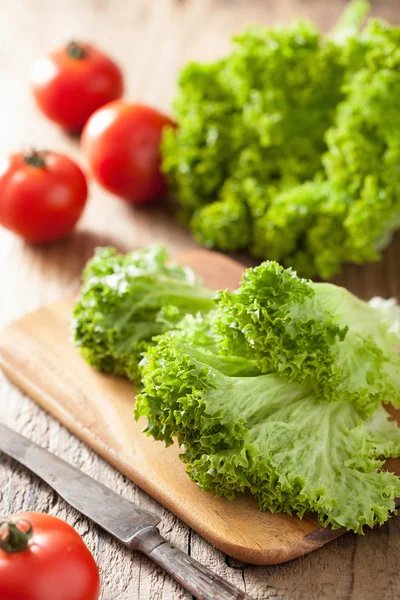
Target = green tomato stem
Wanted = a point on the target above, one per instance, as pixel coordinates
(14, 535)
(75, 50)
(35, 158)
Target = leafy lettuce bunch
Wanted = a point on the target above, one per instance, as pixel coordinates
(349, 212)
(248, 123)
(249, 383)
(126, 300)
(289, 146)
(317, 334)
(242, 430)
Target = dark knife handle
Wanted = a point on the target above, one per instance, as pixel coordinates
(200, 581)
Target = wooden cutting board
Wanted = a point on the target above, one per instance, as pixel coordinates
(36, 354)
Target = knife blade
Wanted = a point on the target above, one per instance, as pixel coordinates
(126, 521)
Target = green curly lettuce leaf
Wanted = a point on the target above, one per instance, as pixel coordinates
(285, 106)
(303, 229)
(289, 145)
(363, 146)
(224, 223)
(384, 434)
(350, 212)
(244, 431)
(248, 121)
(317, 334)
(126, 300)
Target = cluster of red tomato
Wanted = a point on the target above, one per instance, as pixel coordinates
(42, 196)
(43, 193)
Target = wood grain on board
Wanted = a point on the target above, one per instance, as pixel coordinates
(152, 40)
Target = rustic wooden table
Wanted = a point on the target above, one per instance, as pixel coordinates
(152, 40)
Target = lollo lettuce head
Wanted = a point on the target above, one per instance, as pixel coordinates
(241, 430)
(316, 334)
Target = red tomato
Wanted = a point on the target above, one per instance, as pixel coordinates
(54, 564)
(122, 144)
(74, 81)
(42, 195)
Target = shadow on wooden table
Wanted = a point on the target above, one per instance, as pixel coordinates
(69, 256)
(65, 259)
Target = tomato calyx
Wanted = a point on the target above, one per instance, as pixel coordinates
(76, 50)
(15, 535)
(35, 158)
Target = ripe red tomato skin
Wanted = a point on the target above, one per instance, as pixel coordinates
(68, 90)
(121, 142)
(56, 565)
(41, 204)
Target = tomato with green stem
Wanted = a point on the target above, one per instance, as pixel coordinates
(42, 195)
(121, 142)
(44, 558)
(74, 81)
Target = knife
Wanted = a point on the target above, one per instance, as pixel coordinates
(135, 527)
